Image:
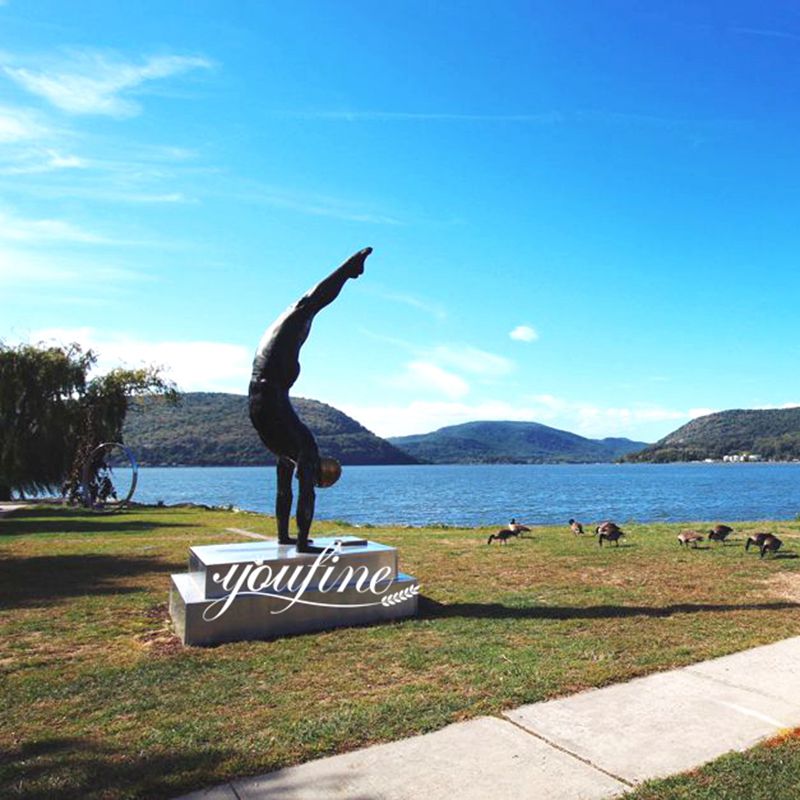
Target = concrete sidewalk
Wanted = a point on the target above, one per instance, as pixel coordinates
(594, 744)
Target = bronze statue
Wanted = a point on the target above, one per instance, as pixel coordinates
(275, 369)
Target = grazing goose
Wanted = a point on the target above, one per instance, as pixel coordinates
(502, 536)
(606, 526)
(756, 539)
(609, 531)
(719, 533)
(576, 527)
(770, 542)
(689, 538)
(518, 529)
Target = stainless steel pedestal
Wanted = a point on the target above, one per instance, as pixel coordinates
(259, 590)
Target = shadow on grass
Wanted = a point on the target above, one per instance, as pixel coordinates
(69, 768)
(431, 609)
(70, 520)
(38, 580)
(64, 769)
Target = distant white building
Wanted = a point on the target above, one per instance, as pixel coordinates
(736, 458)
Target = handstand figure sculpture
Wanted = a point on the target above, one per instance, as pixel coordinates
(275, 369)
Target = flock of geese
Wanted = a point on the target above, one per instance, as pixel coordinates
(611, 532)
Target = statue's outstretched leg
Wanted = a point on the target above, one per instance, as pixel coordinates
(327, 290)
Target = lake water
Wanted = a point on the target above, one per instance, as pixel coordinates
(491, 494)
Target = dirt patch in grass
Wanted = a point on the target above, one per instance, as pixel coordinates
(785, 585)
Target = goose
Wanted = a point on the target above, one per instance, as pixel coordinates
(756, 539)
(610, 532)
(517, 529)
(576, 527)
(771, 543)
(502, 536)
(606, 526)
(689, 537)
(719, 533)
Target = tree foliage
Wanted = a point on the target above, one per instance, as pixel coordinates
(52, 414)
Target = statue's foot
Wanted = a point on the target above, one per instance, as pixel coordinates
(355, 264)
(310, 548)
(291, 540)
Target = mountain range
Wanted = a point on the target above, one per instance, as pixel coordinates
(511, 442)
(211, 428)
(214, 429)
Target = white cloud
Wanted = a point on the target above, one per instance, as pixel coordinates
(766, 407)
(193, 365)
(17, 125)
(53, 270)
(424, 417)
(44, 230)
(440, 369)
(640, 422)
(422, 376)
(58, 161)
(545, 118)
(694, 413)
(471, 360)
(90, 82)
(434, 309)
(524, 333)
(317, 206)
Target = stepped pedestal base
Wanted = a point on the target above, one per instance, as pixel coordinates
(263, 590)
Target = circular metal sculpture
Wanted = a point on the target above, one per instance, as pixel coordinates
(94, 495)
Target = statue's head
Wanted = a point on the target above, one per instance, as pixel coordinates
(329, 472)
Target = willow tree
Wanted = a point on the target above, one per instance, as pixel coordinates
(52, 414)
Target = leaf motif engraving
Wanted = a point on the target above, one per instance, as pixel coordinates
(394, 598)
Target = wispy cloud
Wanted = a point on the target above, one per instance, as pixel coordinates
(93, 82)
(589, 419)
(445, 369)
(543, 118)
(471, 360)
(318, 206)
(769, 34)
(646, 423)
(21, 125)
(421, 416)
(40, 231)
(193, 365)
(34, 272)
(413, 301)
(524, 333)
(427, 377)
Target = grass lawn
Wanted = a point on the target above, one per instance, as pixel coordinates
(768, 772)
(101, 701)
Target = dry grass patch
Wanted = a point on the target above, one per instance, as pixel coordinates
(785, 585)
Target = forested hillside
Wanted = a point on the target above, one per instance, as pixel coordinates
(207, 429)
(771, 434)
(511, 442)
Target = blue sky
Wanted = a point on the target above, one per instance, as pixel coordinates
(583, 214)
